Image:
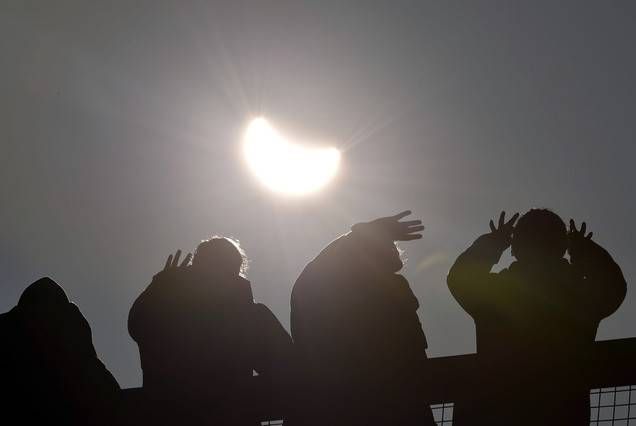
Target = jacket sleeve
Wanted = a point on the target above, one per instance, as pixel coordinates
(603, 281)
(353, 249)
(328, 294)
(274, 345)
(309, 297)
(469, 279)
(150, 307)
(411, 322)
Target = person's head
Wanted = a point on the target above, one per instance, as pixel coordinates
(539, 235)
(386, 257)
(44, 294)
(52, 320)
(398, 258)
(220, 255)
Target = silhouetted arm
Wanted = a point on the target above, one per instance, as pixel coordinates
(324, 300)
(273, 343)
(150, 307)
(329, 299)
(139, 316)
(469, 279)
(367, 240)
(409, 322)
(274, 359)
(603, 281)
(323, 292)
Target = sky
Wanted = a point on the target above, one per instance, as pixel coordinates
(121, 125)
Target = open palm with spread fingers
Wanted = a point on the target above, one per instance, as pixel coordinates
(578, 233)
(577, 238)
(391, 228)
(503, 230)
(172, 263)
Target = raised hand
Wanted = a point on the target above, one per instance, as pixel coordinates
(172, 263)
(577, 238)
(503, 230)
(390, 228)
(578, 234)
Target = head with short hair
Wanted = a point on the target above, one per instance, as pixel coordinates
(220, 254)
(539, 235)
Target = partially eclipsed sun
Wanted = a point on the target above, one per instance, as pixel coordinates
(286, 167)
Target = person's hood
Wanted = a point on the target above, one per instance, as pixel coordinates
(44, 291)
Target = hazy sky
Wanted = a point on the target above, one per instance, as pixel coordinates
(120, 127)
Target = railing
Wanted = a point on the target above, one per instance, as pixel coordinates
(608, 406)
(443, 413)
(613, 406)
(612, 380)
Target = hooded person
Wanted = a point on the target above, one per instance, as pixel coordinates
(360, 348)
(51, 363)
(201, 337)
(536, 320)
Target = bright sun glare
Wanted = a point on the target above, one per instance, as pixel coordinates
(286, 167)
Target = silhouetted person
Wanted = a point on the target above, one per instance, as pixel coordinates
(535, 320)
(358, 339)
(51, 373)
(201, 336)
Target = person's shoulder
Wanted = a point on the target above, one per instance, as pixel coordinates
(401, 288)
(309, 279)
(7, 323)
(263, 317)
(503, 274)
(510, 271)
(401, 283)
(503, 279)
(245, 287)
(262, 310)
(164, 280)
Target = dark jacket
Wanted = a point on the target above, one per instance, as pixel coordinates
(360, 345)
(200, 340)
(50, 368)
(535, 325)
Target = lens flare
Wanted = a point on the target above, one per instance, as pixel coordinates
(285, 167)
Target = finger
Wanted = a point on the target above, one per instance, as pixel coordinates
(175, 261)
(512, 220)
(168, 262)
(572, 226)
(401, 215)
(492, 226)
(502, 219)
(411, 237)
(589, 236)
(411, 222)
(583, 228)
(412, 229)
(186, 261)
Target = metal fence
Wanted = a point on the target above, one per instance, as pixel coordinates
(443, 413)
(613, 406)
(612, 378)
